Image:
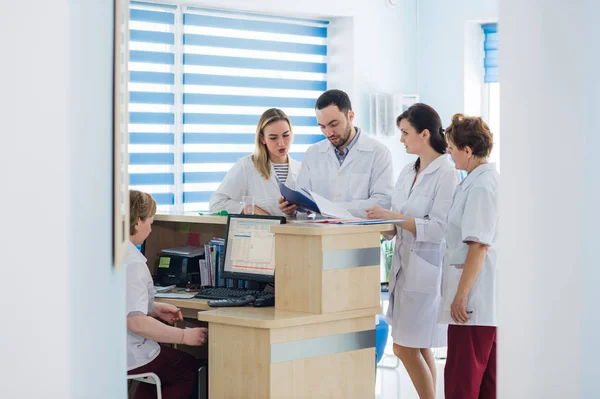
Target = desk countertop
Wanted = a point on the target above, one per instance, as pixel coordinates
(269, 317)
(323, 229)
(193, 303)
(189, 217)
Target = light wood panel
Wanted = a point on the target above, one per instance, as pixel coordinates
(299, 265)
(239, 362)
(272, 318)
(349, 375)
(354, 288)
(351, 241)
(309, 331)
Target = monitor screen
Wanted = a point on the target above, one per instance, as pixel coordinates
(250, 248)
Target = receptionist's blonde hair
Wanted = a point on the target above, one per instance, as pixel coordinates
(261, 153)
(141, 207)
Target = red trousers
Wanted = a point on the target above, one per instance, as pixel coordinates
(470, 371)
(177, 371)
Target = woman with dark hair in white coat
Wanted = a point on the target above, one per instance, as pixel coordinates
(422, 197)
(256, 175)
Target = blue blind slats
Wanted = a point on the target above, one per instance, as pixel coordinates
(490, 46)
(151, 37)
(156, 118)
(152, 158)
(227, 119)
(152, 100)
(251, 15)
(153, 57)
(252, 44)
(203, 177)
(197, 196)
(143, 97)
(225, 22)
(255, 83)
(247, 73)
(158, 17)
(241, 138)
(223, 157)
(151, 179)
(163, 78)
(252, 63)
(164, 198)
(234, 66)
(151, 138)
(249, 101)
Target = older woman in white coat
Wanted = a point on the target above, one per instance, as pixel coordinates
(422, 197)
(469, 272)
(256, 175)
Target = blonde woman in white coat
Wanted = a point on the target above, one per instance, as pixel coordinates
(257, 174)
(422, 197)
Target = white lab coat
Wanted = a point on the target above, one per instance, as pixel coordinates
(416, 265)
(363, 181)
(140, 298)
(473, 217)
(243, 179)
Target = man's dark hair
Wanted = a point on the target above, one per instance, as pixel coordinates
(334, 97)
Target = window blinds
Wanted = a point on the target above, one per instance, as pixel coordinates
(235, 66)
(152, 101)
(199, 81)
(490, 46)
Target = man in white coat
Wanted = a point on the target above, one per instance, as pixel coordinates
(349, 167)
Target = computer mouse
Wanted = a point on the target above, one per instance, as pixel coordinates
(263, 302)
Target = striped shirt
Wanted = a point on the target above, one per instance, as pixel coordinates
(281, 171)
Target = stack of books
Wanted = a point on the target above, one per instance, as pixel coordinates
(210, 269)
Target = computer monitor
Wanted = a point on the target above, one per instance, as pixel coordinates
(250, 248)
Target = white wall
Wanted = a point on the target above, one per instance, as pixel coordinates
(548, 262)
(63, 324)
(378, 42)
(443, 27)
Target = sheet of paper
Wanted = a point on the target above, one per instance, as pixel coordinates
(174, 295)
(164, 289)
(329, 208)
(368, 221)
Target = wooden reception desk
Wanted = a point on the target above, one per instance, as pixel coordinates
(319, 339)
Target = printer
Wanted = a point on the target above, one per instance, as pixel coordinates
(178, 266)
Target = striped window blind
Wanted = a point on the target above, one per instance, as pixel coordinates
(490, 45)
(235, 66)
(152, 101)
(199, 81)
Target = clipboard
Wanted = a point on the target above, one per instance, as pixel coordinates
(297, 198)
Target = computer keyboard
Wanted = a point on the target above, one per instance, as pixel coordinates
(228, 297)
(231, 302)
(225, 293)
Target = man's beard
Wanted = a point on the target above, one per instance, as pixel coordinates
(345, 140)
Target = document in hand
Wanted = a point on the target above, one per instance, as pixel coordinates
(317, 204)
(329, 208)
(297, 198)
